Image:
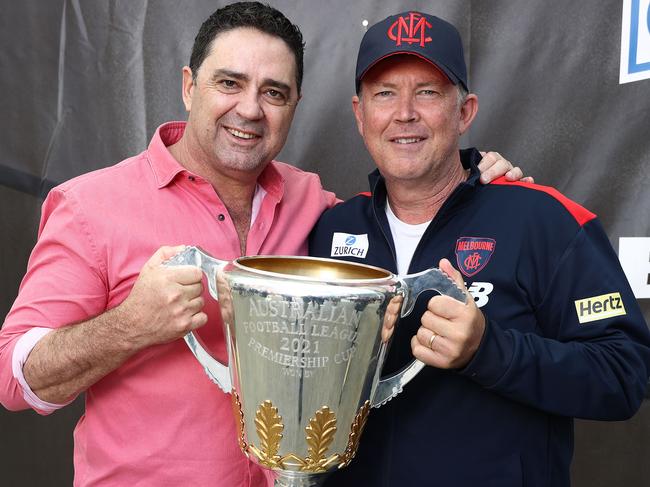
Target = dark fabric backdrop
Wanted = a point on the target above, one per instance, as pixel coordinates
(85, 83)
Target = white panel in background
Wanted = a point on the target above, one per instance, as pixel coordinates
(634, 254)
(635, 41)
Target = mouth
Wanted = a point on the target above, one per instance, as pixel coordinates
(242, 134)
(407, 140)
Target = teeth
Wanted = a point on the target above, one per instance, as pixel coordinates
(241, 135)
(411, 140)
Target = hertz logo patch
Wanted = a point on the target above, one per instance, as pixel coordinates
(599, 307)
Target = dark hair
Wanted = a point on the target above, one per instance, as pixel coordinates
(248, 14)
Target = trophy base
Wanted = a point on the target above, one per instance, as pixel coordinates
(298, 479)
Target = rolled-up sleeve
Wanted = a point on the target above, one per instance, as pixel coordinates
(64, 284)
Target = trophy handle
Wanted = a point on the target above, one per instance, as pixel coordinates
(217, 372)
(389, 387)
(430, 280)
(414, 284)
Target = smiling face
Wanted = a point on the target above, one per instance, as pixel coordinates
(410, 118)
(241, 101)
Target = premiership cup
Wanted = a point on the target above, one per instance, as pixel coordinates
(306, 339)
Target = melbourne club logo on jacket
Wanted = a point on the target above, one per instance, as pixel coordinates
(473, 254)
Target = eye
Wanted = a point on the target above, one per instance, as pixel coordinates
(276, 97)
(274, 93)
(228, 84)
(384, 94)
(428, 92)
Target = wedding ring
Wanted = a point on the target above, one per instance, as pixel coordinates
(431, 339)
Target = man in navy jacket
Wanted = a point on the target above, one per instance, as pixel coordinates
(553, 332)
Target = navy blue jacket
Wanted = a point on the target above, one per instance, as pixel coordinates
(564, 338)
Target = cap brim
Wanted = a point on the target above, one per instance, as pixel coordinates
(450, 76)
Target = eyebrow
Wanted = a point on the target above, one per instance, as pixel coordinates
(244, 77)
(277, 84)
(230, 74)
(387, 84)
(383, 84)
(428, 83)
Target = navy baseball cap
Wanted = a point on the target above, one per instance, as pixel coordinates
(422, 35)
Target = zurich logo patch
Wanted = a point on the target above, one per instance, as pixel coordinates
(347, 245)
(473, 254)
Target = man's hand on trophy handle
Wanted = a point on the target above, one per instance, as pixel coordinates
(451, 331)
(165, 302)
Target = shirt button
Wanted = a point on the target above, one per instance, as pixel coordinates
(221, 217)
(191, 178)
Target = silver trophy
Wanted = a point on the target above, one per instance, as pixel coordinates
(307, 339)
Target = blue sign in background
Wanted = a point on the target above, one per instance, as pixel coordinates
(633, 66)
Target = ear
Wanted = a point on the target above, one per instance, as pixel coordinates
(356, 108)
(187, 88)
(468, 111)
(295, 105)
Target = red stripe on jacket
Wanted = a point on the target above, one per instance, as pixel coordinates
(582, 215)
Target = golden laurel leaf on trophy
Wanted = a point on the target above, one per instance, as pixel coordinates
(269, 428)
(355, 434)
(320, 435)
(239, 419)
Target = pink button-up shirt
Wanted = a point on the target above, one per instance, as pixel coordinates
(157, 420)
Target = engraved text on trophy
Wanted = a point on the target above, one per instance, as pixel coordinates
(300, 334)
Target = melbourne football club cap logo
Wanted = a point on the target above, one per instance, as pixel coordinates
(425, 36)
(635, 41)
(473, 254)
(410, 29)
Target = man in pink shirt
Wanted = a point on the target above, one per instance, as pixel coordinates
(97, 313)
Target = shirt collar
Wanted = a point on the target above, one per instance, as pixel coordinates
(272, 181)
(165, 167)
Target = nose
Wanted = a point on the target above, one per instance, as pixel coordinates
(406, 111)
(248, 105)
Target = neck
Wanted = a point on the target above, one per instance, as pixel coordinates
(235, 188)
(419, 203)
